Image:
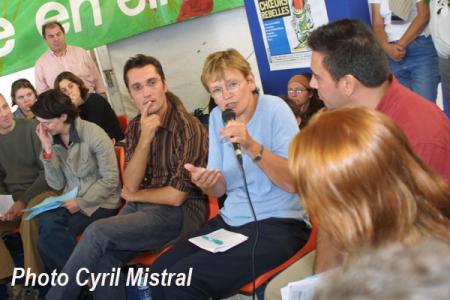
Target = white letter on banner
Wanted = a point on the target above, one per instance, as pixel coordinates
(131, 11)
(6, 31)
(62, 15)
(75, 9)
(153, 3)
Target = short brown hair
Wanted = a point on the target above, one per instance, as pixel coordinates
(51, 24)
(21, 84)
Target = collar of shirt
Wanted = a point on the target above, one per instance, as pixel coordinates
(73, 136)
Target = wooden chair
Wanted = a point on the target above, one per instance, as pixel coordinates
(307, 248)
(123, 123)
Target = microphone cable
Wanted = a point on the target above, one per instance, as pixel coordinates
(241, 167)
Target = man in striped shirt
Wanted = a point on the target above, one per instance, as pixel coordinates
(162, 203)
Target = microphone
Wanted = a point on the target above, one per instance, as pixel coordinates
(228, 115)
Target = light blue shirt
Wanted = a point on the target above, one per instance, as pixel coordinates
(273, 124)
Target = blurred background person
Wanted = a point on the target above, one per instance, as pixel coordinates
(405, 38)
(398, 271)
(23, 94)
(92, 107)
(303, 100)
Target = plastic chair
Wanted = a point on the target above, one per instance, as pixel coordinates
(120, 155)
(307, 248)
(123, 123)
(148, 258)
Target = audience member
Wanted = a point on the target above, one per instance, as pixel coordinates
(76, 154)
(92, 106)
(363, 184)
(264, 127)
(162, 203)
(61, 57)
(408, 45)
(303, 98)
(439, 25)
(22, 176)
(350, 69)
(24, 96)
(398, 271)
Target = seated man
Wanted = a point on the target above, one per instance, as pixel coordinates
(22, 176)
(162, 202)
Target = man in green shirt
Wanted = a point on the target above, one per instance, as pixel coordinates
(22, 176)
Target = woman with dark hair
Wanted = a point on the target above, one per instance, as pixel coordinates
(23, 94)
(76, 155)
(363, 184)
(303, 100)
(92, 106)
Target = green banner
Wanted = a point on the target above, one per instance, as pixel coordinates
(88, 23)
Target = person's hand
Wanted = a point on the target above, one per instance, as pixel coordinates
(149, 124)
(126, 194)
(44, 137)
(236, 132)
(72, 206)
(395, 52)
(14, 212)
(202, 177)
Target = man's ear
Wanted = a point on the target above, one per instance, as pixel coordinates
(348, 84)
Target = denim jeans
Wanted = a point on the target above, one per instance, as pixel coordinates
(419, 70)
(113, 241)
(58, 230)
(444, 67)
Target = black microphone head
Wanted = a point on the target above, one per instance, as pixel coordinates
(228, 115)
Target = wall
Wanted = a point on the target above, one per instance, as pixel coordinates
(182, 49)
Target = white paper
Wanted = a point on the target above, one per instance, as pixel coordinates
(6, 201)
(301, 290)
(218, 241)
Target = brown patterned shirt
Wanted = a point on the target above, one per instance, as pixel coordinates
(180, 139)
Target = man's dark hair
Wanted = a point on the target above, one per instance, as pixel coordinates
(52, 104)
(350, 47)
(50, 25)
(140, 61)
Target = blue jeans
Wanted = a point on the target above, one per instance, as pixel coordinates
(113, 241)
(444, 67)
(419, 70)
(58, 230)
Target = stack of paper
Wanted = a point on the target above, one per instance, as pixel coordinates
(50, 203)
(303, 289)
(218, 241)
(6, 201)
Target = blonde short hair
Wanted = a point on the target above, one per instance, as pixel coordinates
(217, 62)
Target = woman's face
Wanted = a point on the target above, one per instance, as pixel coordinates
(25, 99)
(72, 90)
(234, 91)
(53, 126)
(298, 94)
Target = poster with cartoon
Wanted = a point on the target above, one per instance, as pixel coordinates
(286, 25)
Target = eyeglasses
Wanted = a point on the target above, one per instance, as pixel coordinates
(230, 86)
(151, 83)
(296, 91)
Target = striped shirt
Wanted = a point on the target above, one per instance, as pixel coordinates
(180, 139)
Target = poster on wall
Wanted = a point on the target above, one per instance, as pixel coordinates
(88, 24)
(286, 26)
